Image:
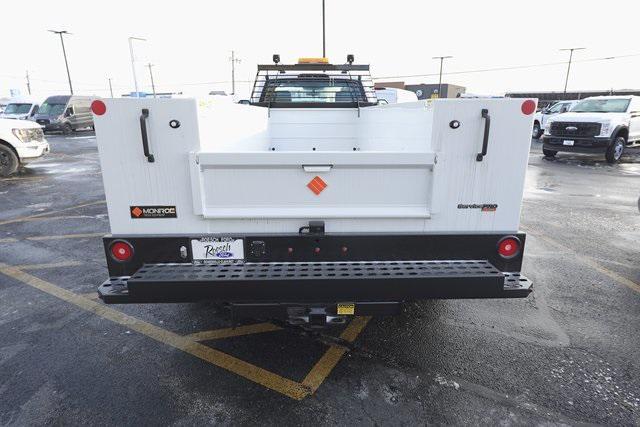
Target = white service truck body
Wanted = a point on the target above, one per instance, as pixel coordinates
(422, 187)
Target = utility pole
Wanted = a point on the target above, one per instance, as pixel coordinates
(133, 62)
(441, 58)
(110, 87)
(324, 46)
(28, 83)
(64, 53)
(571, 49)
(153, 86)
(233, 60)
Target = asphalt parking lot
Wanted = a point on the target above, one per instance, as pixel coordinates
(566, 355)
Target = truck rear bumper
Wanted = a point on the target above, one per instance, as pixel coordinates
(296, 282)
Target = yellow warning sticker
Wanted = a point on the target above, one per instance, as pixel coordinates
(346, 308)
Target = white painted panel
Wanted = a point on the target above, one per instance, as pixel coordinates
(409, 174)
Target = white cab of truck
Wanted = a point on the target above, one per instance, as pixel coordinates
(598, 125)
(21, 141)
(313, 203)
(541, 118)
(392, 95)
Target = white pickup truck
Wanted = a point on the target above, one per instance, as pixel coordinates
(21, 141)
(541, 118)
(600, 124)
(313, 203)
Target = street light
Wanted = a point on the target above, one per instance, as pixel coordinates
(133, 63)
(64, 53)
(441, 58)
(570, 49)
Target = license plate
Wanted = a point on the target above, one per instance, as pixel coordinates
(345, 308)
(567, 142)
(217, 249)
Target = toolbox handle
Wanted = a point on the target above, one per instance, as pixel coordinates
(145, 139)
(485, 139)
(317, 168)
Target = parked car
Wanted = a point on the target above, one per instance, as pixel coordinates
(21, 141)
(600, 124)
(541, 117)
(65, 113)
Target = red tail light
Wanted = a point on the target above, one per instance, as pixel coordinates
(509, 247)
(121, 251)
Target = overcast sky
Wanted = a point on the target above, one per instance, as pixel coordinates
(190, 42)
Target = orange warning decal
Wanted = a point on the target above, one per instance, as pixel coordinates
(317, 185)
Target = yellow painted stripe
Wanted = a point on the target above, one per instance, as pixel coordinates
(43, 214)
(240, 367)
(48, 265)
(66, 236)
(587, 260)
(330, 359)
(8, 240)
(215, 334)
(354, 329)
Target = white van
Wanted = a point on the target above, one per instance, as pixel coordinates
(21, 108)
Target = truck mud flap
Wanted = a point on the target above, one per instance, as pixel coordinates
(315, 281)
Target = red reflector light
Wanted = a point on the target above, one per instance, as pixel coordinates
(509, 247)
(98, 107)
(528, 107)
(121, 251)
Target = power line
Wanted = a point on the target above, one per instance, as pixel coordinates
(506, 68)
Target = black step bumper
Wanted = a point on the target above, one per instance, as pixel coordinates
(294, 282)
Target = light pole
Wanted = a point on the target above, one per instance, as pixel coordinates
(153, 86)
(233, 60)
(133, 62)
(441, 58)
(324, 50)
(28, 83)
(110, 87)
(570, 49)
(64, 53)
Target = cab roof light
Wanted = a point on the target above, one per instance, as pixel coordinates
(307, 60)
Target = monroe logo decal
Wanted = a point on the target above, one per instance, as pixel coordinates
(486, 207)
(140, 212)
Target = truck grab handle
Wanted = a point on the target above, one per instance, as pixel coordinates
(145, 139)
(485, 139)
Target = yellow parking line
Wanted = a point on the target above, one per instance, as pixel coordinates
(8, 240)
(330, 359)
(48, 265)
(66, 236)
(251, 372)
(215, 334)
(588, 261)
(43, 214)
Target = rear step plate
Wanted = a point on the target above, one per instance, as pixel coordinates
(314, 281)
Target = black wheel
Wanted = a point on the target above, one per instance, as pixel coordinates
(9, 162)
(67, 129)
(536, 133)
(549, 153)
(615, 149)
